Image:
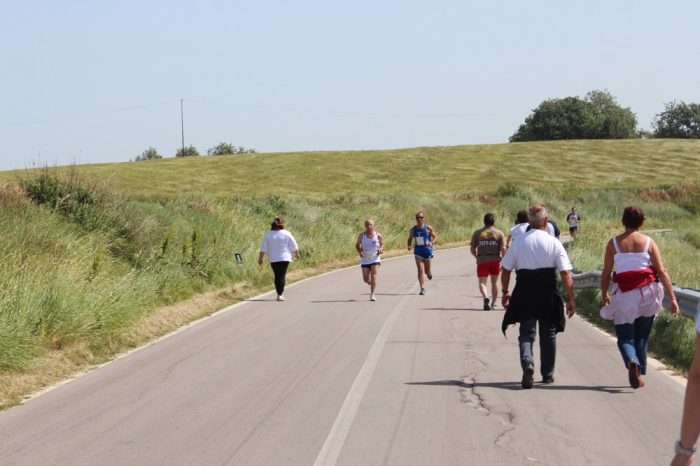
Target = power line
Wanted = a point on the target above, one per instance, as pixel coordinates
(87, 114)
(260, 107)
(356, 113)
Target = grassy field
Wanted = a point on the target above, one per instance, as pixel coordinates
(562, 165)
(92, 268)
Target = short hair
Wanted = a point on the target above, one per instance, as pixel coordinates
(278, 223)
(633, 217)
(417, 213)
(369, 220)
(536, 214)
(521, 217)
(489, 219)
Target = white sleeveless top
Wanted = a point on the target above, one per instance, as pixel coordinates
(628, 261)
(370, 246)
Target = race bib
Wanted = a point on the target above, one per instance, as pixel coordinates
(420, 241)
(370, 255)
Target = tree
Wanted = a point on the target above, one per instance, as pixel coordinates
(188, 152)
(224, 148)
(678, 121)
(597, 116)
(149, 154)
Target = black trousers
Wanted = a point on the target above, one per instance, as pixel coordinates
(280, 270)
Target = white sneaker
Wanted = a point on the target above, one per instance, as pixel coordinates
(280, 297)
(372, 297)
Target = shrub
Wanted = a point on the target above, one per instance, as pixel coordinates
(224, 148)
(189, 151)
(149, 154)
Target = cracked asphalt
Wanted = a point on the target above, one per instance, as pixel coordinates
(264, 383)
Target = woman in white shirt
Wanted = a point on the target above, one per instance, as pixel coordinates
(279, 244)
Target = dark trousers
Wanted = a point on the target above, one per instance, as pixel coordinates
(548, 345)
(633, 341)
(280, 270)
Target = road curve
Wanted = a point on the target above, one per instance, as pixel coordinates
(330, 378)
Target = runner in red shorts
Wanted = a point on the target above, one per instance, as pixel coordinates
(488, 246)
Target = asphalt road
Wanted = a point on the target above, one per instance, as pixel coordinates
(330, 378)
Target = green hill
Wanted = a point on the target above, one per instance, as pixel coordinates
(426, 170)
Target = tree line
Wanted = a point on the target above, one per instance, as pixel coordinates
(223, 148)
(598, 116)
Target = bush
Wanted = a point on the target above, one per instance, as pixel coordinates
(149, 154)
(224, 148)
(189, 151)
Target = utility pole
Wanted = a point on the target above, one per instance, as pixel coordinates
(182, 121)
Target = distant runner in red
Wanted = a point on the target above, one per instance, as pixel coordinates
(488, 246)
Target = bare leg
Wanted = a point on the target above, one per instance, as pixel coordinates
(365, 274)
(690, 426)
(419, 264)
(427, 263)
(374, 270)
(494, 287)
(482, 287)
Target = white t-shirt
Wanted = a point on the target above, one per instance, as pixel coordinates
(536, 250)
(279, 246)
(518, 230)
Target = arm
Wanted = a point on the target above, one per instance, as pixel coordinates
(431, 232)
(503, 247)
(505, 281)
(663, 276)
(381, 243)
(358, 245)
(263, 250)
(260, 258)
(690, 426)
(569, 287)
(508, 241)
(410, 238)
(607, 271)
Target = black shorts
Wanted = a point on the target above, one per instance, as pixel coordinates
(369, 266)
(572, 229)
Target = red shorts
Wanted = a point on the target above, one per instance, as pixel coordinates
(488, 268)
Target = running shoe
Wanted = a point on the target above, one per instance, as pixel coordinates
(493, 306)
(422, 291)
(372, 297)
(430, 276)
(280, 297)
(548, 379)
(486, 304)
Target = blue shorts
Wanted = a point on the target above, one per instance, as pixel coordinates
(423, 253)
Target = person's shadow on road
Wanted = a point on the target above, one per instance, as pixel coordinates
(515, 386)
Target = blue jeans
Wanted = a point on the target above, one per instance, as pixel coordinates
(548, 345)
(633, 341)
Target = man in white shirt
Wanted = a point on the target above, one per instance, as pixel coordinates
(536, 256)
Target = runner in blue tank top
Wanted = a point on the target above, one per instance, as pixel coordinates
(424, 237)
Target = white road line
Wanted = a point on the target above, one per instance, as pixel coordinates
(336, 438)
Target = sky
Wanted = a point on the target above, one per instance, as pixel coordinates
(94, 82)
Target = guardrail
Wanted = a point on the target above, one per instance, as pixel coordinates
(687, 299)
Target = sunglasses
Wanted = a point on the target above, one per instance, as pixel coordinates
(419, 217)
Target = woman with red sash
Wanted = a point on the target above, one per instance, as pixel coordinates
(636, 296)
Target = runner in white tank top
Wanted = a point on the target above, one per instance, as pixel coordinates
(370, 245)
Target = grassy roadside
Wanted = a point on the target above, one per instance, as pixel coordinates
(76, 358)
